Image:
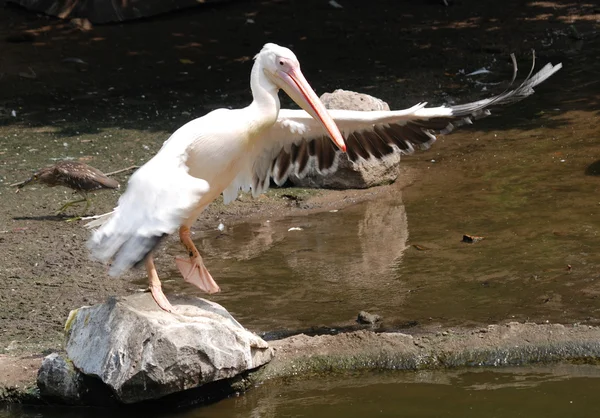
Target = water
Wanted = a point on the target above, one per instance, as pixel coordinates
(528, 190)
(423, 394)
(553, 391)
(320, 275)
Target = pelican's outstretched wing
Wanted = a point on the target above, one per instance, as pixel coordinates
(297, 143)
(155, 204)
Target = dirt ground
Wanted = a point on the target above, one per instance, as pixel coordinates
(109, 96)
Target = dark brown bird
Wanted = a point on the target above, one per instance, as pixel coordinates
(77, 176)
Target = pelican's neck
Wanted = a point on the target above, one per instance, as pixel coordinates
(265, 106)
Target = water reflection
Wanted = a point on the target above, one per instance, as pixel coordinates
(365, 239)
(533, 392)
(326, 267)
(239, 242)
(530, 392)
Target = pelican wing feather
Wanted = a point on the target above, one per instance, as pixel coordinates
(297, 144)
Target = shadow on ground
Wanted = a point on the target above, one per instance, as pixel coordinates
(158, 73)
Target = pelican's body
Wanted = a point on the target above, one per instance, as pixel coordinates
(194, 146)
(228, 150)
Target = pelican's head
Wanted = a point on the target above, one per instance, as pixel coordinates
(282, 68)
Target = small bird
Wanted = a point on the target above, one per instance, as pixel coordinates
(77, 176)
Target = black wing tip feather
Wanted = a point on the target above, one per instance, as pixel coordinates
(420, 134)
(321, 157)
(149, 245)
(524, 90)
(465, 114)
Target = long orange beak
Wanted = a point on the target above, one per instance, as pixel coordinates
(296, 86)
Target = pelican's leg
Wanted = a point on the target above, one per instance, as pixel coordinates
(193, 270)
(155, 286)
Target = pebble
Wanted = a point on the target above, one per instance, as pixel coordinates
(365, 317)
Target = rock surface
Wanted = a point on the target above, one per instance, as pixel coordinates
(141, 352)
(350, 100)
(59, 380)
(350, 175)
(365, 317)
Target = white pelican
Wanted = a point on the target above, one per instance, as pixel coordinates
(228, 150)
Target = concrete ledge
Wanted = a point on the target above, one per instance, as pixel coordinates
(513, 344)
(301, 356)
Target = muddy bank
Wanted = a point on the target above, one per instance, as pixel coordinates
(512, 344)
(48, 272)
(302, 356)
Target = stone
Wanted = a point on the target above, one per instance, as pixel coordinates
(350, 100)
(141, 352)
(351, 175)
(365, 317)
(59, 380)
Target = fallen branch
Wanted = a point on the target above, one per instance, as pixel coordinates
(18, 184)
(112, 173)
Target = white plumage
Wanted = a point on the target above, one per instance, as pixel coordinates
(228, 150)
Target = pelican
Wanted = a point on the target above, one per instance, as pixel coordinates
(228, 150)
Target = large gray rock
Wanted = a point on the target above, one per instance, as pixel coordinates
(350, 100)
(351, 175)
(141, 352)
